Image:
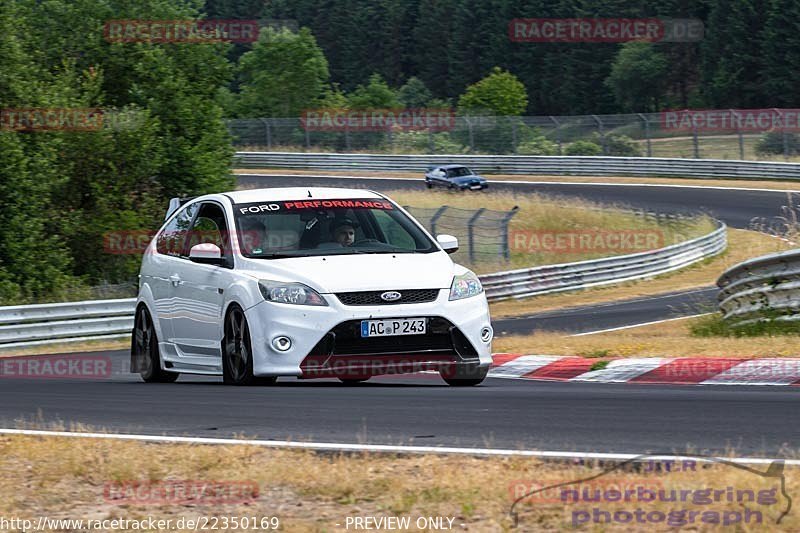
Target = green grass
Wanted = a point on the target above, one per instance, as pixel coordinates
(715, 326)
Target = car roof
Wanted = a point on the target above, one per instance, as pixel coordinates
(297, 193)
(448, 167)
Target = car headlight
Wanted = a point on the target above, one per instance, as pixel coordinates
(465, 285)
(290, 293)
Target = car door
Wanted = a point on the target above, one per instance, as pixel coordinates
(440, 176)
(197, 324)
(162, 269)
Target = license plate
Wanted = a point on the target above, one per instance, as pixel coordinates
(475, 187)
(392, 327)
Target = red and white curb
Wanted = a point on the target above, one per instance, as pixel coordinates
(681, 370)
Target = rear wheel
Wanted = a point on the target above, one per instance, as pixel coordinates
(145, 355)
(428, 184)
(237, 353)
(465, 375)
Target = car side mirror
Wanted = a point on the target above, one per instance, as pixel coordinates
(448, 243)
(206, 253)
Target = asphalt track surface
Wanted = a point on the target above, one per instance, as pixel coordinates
(422, 410)
(735, 207)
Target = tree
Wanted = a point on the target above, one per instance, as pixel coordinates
(637, 76)
(414, 93)
(283, 75)
(732, 60)
(375, 95)
(781, 53)
(500, 92)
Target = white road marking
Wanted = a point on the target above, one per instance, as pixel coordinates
(638, 325)
(623, 370)
(381, 448)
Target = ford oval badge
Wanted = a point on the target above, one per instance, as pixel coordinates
(391, 296)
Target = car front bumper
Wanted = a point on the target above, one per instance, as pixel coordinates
(324, 342)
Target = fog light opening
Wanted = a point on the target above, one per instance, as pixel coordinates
(282, 343)
(486, 334)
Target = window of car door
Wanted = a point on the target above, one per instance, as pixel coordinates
(172, 238)
(210, 226)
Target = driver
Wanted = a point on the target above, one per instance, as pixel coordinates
(344, 231)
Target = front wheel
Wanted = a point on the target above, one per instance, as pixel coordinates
(428, 184)
(352, 381)
(145, 355)
(467, 376)
(237, 352)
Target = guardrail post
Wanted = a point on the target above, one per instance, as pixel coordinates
(558, 134)
(646, 133)
(695, 141)
(784, 134)
(267, 133)
(435, 218)
(735, 120)
(471, 133)
(601, 131)
(347, 134)
(308, 139)
(505, 252)
(471, 233)
(514, 136)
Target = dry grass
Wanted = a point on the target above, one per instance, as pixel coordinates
(64, 478)
(667, 339)
(541, 217)
(730, 183)
(742, 245)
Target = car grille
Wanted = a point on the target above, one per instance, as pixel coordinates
(342, 352)
(441, 337)
(409, 296)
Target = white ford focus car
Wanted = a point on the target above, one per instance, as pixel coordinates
(305, 282)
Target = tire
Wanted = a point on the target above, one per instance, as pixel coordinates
(352, 381)
(237, 352)
(428, 184)
(145, 355)
(468, 376)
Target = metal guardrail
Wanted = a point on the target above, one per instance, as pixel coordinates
(585, 274)
(766, 287)
(529, 165)
(28, 325)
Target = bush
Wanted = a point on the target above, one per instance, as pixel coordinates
(538, 146)
(444, 144)
(618, 145)
(771, 143)
(583, 148)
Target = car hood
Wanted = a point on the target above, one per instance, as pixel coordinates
(467, 179)
(359, 272)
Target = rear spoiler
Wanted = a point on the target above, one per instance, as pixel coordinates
(175, 204)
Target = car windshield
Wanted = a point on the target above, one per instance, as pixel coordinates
(303, 228)
(458, 172)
